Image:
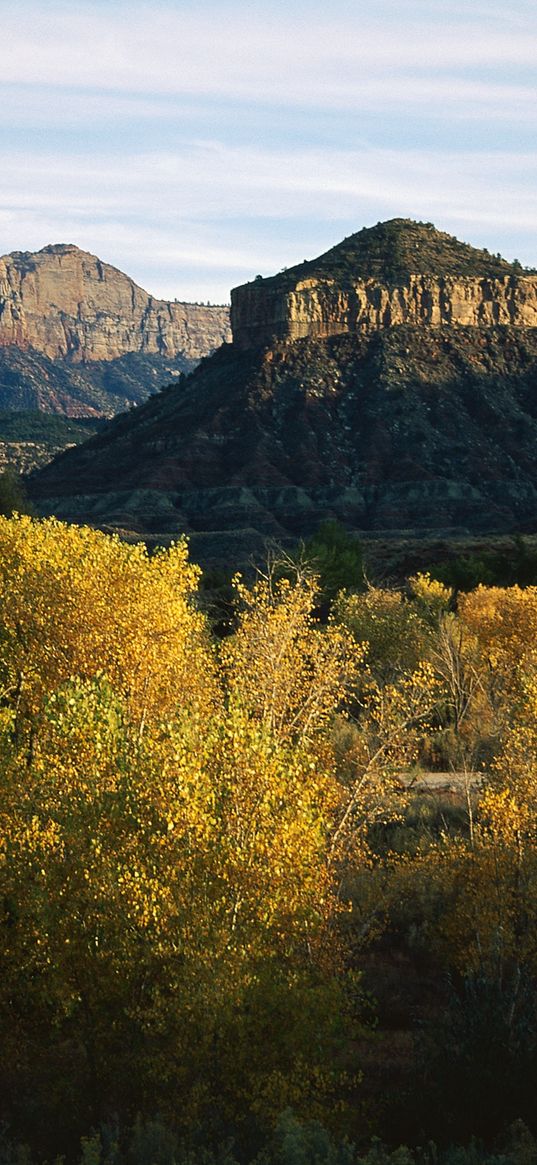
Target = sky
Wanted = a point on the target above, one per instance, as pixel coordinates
(197, 143)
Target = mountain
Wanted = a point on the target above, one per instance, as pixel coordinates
(68, 304)
(391, 384)
(399, 272)
(391, 251)
(79, 337)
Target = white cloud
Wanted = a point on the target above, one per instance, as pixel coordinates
(210, 178)
(131, 158)
(301, 55)
(441, 97)
(187, 214)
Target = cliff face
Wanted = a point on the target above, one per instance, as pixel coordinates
(264, 312)
(399, 272)
(67, 304)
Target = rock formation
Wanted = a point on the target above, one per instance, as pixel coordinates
(349, 290)
(320, 308)
(67, 304)
(79, 338)
(427, 426)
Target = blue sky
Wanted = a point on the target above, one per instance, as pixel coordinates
(196, 144)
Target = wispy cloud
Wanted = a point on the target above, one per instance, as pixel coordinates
(303, 54)
(212, 191)
(234, 181)
(194, 144)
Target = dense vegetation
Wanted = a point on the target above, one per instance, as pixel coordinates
(233, 928)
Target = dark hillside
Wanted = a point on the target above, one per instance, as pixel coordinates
(405, 430)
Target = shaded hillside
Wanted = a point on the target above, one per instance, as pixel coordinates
(30, 439)
(31, 380)
(54, 404)
(406, 429)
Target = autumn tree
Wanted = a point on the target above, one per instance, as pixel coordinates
(166, 820)
(281, 666)
(394, 705)
(396, 633)
(78, 602)
(504, 619)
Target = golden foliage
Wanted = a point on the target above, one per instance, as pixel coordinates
(165, 818)
(281, 667)
(504, 619)
(77, 602)
(180, 822)
(392, 630)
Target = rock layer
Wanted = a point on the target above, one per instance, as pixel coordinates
(67, 304)
(399, 272)
(262, 314)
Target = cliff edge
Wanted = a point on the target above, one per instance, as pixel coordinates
(68, 305)
(399, 272)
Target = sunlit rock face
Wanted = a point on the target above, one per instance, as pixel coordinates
(67, 304)
(399, 272)
(320, 308)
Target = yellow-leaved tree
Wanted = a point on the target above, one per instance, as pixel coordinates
(78, 602)
(395, 702)
(489, 880)
(166, 822)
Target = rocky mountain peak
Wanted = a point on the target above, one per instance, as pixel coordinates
(398, 272)
(63, 249)
(391, 251)
(68, 304)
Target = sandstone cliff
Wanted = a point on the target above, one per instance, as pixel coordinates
(261, 315)
(67, 304)
(397, 273)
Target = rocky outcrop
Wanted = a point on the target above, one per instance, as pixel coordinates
(399, 272)
(262, 313)
(67, 304)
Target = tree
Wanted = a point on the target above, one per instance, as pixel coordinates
(336, 558)
(281, 666)
(395, 631)
(12, 496)
(78, 602)
(165, 821)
